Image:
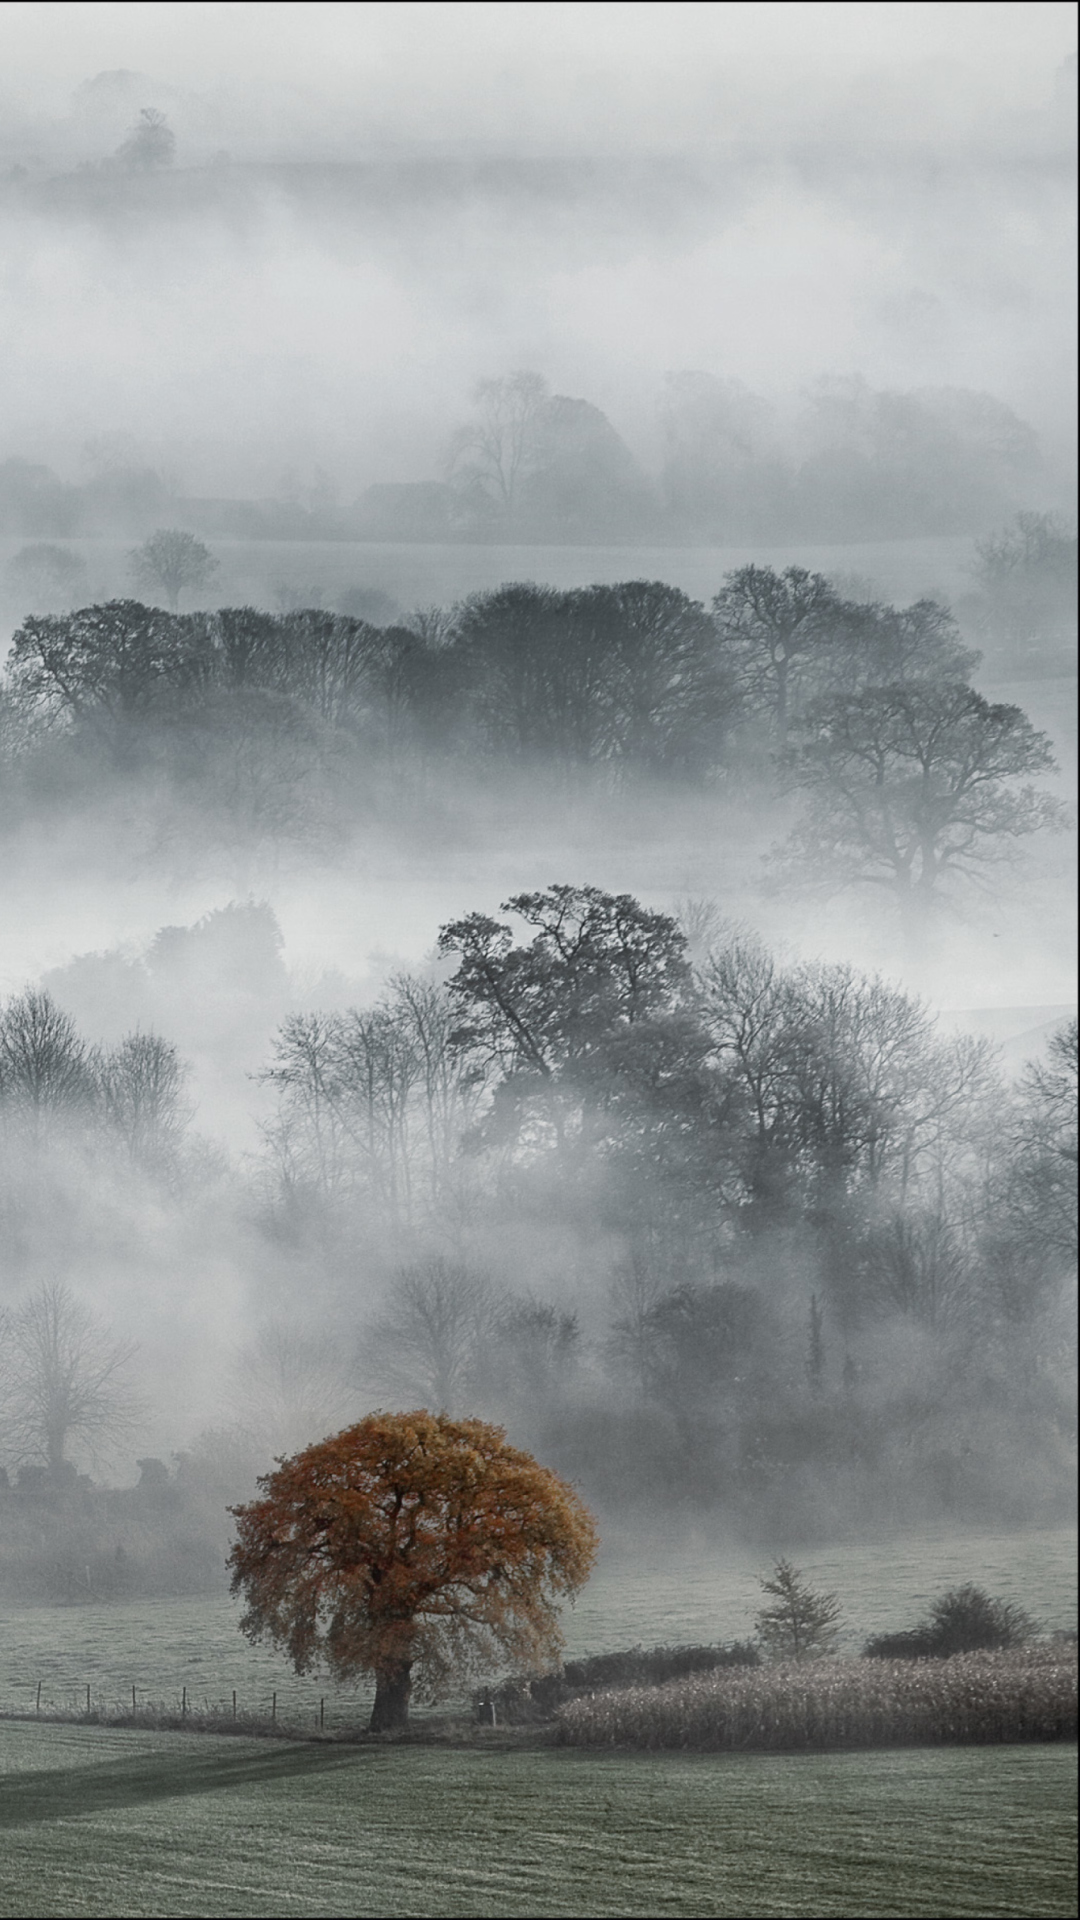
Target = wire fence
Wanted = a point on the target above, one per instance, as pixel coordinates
(284, 1711)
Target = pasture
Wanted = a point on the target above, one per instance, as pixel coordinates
(137, 1823)
(647, 1590)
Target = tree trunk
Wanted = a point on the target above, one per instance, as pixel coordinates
(393, 1686)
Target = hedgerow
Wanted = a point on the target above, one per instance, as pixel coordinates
(1024, 1694)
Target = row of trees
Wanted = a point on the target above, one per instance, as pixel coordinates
(54, 1086)
(909, 778)
(857, 464)
(853, 463)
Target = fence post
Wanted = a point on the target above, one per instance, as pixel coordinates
(133, 1708)
(234, 1703)
(322, 1714)
(88, 1699)
(273, 1708)
(37, 1709)
(183, 1705)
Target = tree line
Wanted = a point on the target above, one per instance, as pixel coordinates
(908, 779)
(528, 464)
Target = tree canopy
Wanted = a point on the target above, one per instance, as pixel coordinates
(170, 561)
(410, 1544)
(910, 785)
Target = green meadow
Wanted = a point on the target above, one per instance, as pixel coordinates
(109, 1822)
(647, 1591)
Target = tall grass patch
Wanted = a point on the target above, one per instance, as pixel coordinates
(971, 1699)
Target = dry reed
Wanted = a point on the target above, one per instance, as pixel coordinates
(1027, 1693)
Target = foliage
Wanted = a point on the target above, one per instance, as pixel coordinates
(102, 667)
(597, 960)
(974, 1698)
(911, 786)
(371, 1102)
(172, 562)
(150, 144)
(54, 1087)
(964, 1620)
(410, 1541)
(799, 1624)
(520, 1699)
(141, 1087)
(775, 628)
(617, 682)
(46, 1073)
(622, 676)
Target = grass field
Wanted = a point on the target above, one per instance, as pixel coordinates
(645, 1592)
(131, 1823)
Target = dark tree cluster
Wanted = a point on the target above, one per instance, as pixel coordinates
(300, 723)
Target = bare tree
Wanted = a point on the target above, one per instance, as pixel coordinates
(494, 454)
(372, 1102)
(172, 562)
(775, 629)
(45, 1070)
(65, 1381)
(433, 1338)
(141, 1083)
(307, 1138)
(1027, 577)
(914, 1266)
(911, 786)
(292, 1387)
(1041, 1188)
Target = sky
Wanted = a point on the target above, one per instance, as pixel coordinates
(637, 74)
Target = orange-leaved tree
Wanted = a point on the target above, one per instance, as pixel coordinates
(411, 1546)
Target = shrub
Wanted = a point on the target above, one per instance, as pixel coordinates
(521, 1698)
(917, 1643)
(964, 1620)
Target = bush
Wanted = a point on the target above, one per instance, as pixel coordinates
(964, 1620)
(917, 1643)
(521, 1698)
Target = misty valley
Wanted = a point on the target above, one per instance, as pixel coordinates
(538, 1042)
(731, 1236)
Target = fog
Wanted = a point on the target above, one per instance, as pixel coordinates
(774, 308)
(345, 246)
